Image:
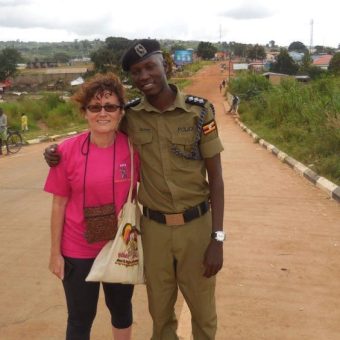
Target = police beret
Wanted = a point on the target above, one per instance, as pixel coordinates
(140, 50)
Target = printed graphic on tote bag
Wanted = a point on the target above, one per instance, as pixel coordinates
(129, 255)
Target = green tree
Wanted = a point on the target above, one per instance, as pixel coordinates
(177, 47)
(169, 62)
(306, 63)
(256, 52)
(284, 63)
(86, 45)
(238, 49)
(319, 49)
(61, 57)
(104, 60)
(9, 58)
(206, 50)
(297, 46)
(334, 65)
(316, 72)
(107, 58)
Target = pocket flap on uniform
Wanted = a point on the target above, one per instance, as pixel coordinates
(182, 140)
(142, 137)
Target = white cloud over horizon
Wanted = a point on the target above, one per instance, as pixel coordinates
(257, 21)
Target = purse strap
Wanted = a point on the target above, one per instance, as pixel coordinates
(132, 175)
(86, 154)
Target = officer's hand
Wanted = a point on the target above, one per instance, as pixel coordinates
(213, 258)
(52, 157)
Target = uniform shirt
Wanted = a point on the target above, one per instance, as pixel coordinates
(67, 180)
(170, 183)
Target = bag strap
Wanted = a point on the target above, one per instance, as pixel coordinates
(86, 154)
(132, 175)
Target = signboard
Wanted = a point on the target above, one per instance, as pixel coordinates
(183, 57)
(240, 66)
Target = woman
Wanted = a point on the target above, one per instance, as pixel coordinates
(93, 178)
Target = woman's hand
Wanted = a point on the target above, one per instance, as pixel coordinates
(57, 265)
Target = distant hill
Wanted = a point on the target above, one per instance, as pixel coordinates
(46, 51)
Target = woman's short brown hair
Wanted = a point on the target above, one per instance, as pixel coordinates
(98, 85)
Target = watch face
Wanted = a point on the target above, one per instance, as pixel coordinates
(219, 236)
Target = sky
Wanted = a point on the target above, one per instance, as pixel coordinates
(244, 21)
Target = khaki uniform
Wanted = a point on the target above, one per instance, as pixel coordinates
(171, 183)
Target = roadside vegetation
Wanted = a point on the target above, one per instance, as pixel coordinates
(301, 119)
(47, 114)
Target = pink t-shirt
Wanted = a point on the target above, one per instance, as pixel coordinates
(67, 180)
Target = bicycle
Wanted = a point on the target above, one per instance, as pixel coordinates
(13, 141)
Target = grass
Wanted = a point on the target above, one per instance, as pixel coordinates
(302, 120)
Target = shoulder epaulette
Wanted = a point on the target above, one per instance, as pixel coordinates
(132, 103)
(193, 100)
(212, 109)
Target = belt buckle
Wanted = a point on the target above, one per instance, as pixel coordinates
(174, 219)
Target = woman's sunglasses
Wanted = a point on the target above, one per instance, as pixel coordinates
(107, 107)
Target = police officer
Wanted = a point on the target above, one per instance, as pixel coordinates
(182, 223)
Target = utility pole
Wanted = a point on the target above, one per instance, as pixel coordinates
(311, 36)
(229, 67)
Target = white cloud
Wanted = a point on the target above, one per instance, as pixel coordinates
(246, 21)
(248, 11)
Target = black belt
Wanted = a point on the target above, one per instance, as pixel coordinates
(177, 219)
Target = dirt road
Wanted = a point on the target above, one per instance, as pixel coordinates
(282, 260)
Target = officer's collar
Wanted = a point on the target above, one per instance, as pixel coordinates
(178, 103)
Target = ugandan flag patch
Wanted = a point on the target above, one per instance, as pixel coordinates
(209, 127)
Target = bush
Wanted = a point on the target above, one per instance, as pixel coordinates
(49, 109)
(248, 85)
(301, 119)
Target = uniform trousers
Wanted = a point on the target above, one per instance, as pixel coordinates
(173, 258)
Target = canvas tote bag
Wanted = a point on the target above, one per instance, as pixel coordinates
(121, 259)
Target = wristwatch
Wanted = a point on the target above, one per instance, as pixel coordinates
(219, 236)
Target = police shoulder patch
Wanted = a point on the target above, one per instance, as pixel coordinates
(209, 127)
(193, 100)
(132, 103)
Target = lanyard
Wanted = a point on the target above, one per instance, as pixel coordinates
(86, 154)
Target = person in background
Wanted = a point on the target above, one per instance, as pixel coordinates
(94, 173)
(3, 130)
(182, 223)
(24, 122)
(234, 105)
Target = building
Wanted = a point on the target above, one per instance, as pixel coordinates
(322, 61)
(5, 85)
(182, 57)
(221, 55)
(275, 78)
